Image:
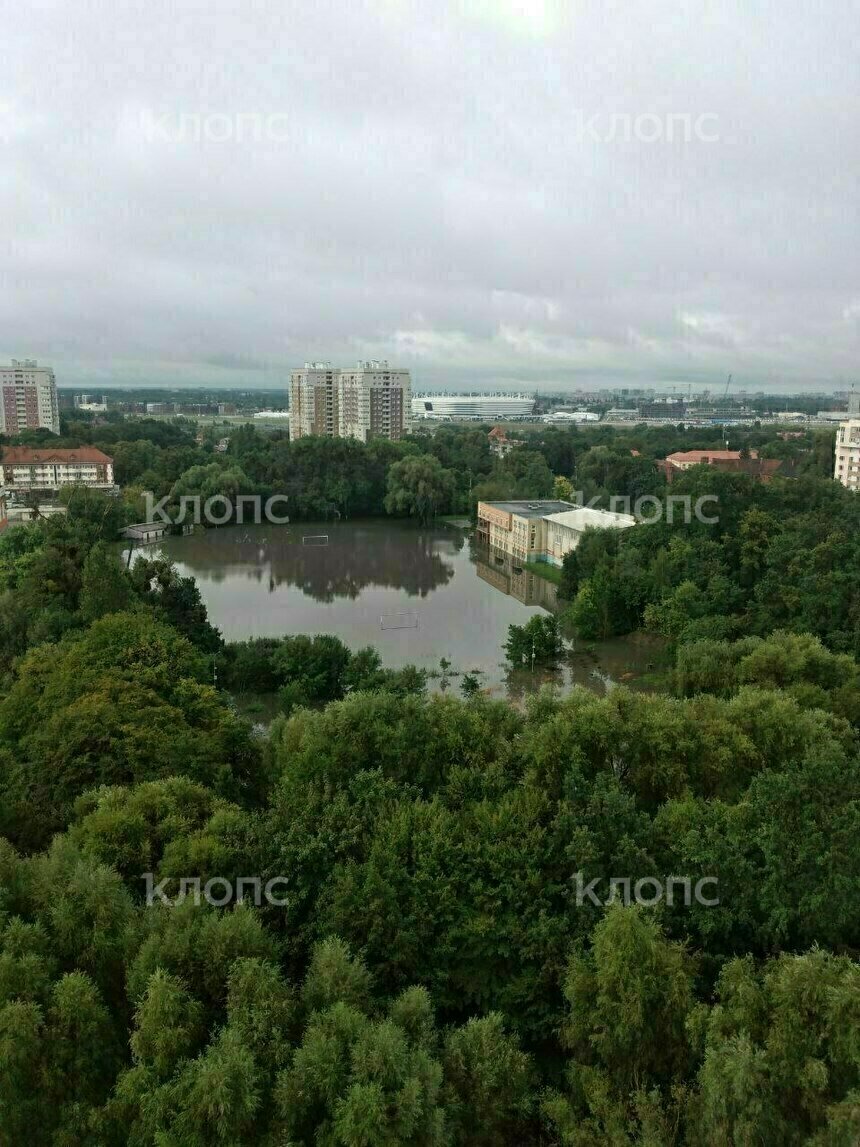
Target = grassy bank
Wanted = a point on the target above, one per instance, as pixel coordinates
(544, 570)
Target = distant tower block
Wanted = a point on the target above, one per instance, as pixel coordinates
(398, 621)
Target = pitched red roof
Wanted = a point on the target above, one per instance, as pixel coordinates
(696, 456)
(28, 456)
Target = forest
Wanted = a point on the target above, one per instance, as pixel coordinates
(432, 974)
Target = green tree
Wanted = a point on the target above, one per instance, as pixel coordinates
(104, 586)
(562, 489)
(538, 642)
(419, 487)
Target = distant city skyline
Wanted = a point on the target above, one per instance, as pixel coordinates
(80, 376)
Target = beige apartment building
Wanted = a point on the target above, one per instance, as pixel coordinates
(847, 466)
(541, 531)
(313, 401)
(369, 400)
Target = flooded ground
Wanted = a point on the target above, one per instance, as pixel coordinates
(417, 595)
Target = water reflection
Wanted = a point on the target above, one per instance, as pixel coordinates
(324, 561)
(460, 599)
(500, 571)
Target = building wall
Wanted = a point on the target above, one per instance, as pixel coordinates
(374, 402)
(29, 398)
(480, 406)
(518, 535)
(847, 465)
(51, 475)
(530, 538)
(367, 401)
(313, 401)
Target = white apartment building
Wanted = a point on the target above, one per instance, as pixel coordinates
(373, 402)
(28, 397)
(847, 467)
(370, 400)
(24, 469)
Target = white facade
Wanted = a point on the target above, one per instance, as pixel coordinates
(564, 531)
(26, 469)
(92, 402)
(370, 400)
(847, 467)
(373, 402)
(571, 416)
(480, 406)
(28, 397)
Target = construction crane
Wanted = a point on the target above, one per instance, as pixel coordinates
(728, 384)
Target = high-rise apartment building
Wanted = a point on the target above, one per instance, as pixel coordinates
(370, 400)
(28, 397)
(313, 401)
(374, 401)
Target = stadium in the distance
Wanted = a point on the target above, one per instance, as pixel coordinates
(482, 407)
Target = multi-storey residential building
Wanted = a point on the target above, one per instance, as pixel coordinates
(541, 531)
(373, 401)
(313, 400)
(370, 400)
(847, 467)
(28, 397)
(25, 469)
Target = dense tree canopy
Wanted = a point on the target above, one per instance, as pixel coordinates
(494, 929)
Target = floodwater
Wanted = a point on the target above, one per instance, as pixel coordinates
(416, 594)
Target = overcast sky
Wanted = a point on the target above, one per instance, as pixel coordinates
(485, 192)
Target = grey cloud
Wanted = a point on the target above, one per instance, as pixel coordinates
(426, 190)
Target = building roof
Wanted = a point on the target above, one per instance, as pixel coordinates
(533, 509)
(694, 457)
(584, 516)
(28, 456)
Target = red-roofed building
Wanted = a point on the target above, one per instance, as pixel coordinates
(731, 461)
(25, 468)
(500, 444)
